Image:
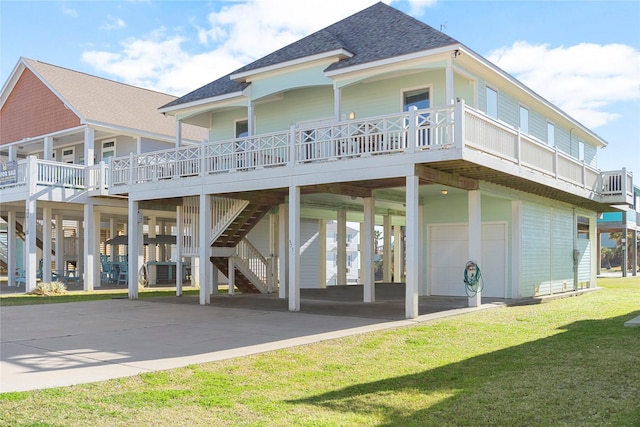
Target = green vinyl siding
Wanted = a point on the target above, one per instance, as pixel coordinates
(464, 89)
(536, 240)
(590, 155)
(561, 251)
(223, 123)
(547, 249)
(537, 125)
(482, 95)
(307, 104)
(282, 82)
(508, 110)
(584, 263)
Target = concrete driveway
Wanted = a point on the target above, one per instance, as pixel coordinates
(55, 345)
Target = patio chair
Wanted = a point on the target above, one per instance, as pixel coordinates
(20, 277)
(108, 271)
(123, 275)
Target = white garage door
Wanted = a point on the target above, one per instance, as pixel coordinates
(448, 254)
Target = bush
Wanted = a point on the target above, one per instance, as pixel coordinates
(48, 289)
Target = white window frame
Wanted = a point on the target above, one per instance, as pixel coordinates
(64, 158)
(551, 142)
(488, 88)
(108, 149)
(520, 108)
(428, 88)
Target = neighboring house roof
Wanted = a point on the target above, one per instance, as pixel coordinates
(100, 101)
(375, 33)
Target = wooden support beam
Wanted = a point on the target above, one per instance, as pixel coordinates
(339, 188)
(434, 176)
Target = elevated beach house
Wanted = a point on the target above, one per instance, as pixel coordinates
(380, 120)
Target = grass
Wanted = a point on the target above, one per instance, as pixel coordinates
(568, 362)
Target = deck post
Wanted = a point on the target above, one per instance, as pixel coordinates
(204, 230)
(341, 247)
(135, 243)
(12, 259)
(30, 253)
(413, 246)
(386, 248)
(179, 242)
(283, 253)
(475, 238)
(369, 230)
(294, 248)
(46, 244)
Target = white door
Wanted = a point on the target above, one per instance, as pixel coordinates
(448, 254)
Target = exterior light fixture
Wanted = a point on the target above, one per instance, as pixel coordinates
(352, 115)
(444, 192)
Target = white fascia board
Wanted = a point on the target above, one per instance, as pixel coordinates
(494, 68)
(340, 53)
(174, 110)
(393, 60)
(11, 81)
(55, 134)
(120, 130)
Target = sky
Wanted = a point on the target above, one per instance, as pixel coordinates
(583, 56)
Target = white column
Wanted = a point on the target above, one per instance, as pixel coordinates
(337, 101)
(386, 248)
(516, 247)
(232, 275)
(283, 250)
(48, 148)
(12, 258)
(30, 250)
(367, 252)
(113, 232)
(80, 249)
(341, 248)
(294, 248)
(13, 153)
(135, 245)
(59, 243)
(204, 249)
(89, 143)
(178, 133)
(179, 241)
(251, 121)
(322, 253)
(273, 252)
(91, 247)
(413, 247)
(46, 244)
(152, 256)
(423, 288)
(475, 238)
(397, 254)
(449, 85)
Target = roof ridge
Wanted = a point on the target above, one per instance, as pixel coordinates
(30, 60)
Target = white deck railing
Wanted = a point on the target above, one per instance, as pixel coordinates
(255, 262)
(455, 126)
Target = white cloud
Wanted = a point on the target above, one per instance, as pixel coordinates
(113, 23)
(236, 35)
(70, 12)
(584, 80)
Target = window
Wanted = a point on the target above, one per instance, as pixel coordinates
(581, 151)
(242, 128)
(551, 135)
(492, 103)
(68, 155)
(524, 120)
(418, 98)
(108, 150)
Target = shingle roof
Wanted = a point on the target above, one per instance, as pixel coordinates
(105, 101)
(375, 33)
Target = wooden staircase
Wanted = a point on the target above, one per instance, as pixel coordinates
(233, 235)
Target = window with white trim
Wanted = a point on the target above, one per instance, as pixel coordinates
(524, 120)
(492, 103)
(418, 98)
(551, 135)
(108, 150)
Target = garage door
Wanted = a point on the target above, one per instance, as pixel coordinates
(448, 254)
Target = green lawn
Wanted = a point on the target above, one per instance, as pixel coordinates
(568, 362)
